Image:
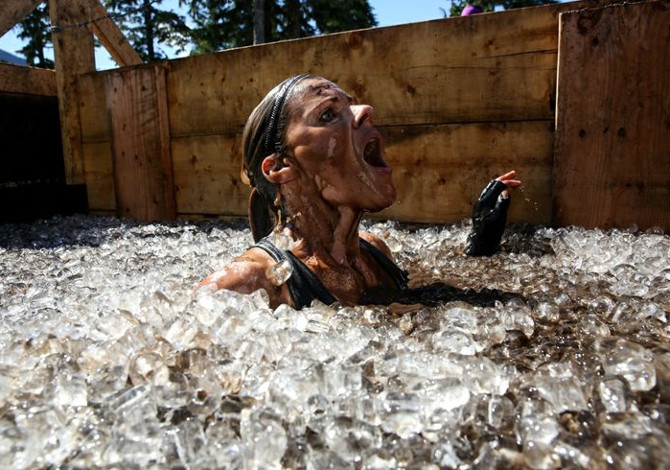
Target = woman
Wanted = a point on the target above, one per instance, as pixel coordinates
(316, 165)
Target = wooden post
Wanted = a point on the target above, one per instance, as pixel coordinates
(612, 148)
(142, 161)
(74, 55)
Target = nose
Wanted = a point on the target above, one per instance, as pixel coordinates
(362, 112)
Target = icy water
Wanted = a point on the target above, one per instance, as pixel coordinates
(106, 359)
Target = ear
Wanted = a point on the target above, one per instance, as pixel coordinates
(277, 169)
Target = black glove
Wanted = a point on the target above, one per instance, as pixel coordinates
(488, 220)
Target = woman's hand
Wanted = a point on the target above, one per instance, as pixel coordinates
(489, 216)
(508, 179)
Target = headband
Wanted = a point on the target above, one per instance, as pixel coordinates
(271, 142)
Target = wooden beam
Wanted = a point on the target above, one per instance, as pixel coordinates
(14, 11)
(27, 80)
(612, 156)
(111, 37)
(142, 162)
(74, 55)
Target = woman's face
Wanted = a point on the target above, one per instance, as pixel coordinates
(335, 143)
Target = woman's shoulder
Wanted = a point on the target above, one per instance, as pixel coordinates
(245, 274)
(377, 242)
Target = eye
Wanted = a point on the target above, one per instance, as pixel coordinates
(327, 116)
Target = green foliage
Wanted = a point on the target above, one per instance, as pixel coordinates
(214, 24)
(145, 25)
(34, 29)
(345, 15)
(222, 24)
(219, 24)
(490, 5)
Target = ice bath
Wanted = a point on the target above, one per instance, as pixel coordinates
(107, 360)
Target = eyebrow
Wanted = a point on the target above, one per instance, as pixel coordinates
(336, 96)
(320, 88)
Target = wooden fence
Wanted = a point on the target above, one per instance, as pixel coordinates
(458, 101)
(612, 157)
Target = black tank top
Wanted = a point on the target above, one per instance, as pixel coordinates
(304, 286)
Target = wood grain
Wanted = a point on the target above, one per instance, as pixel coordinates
(99, 176)
(27, 80)
(439, 171)
(143, 178)
(612, 156)
(93, 107)
(14, 11)
(484, 68)
(73, 54)
(207, 175)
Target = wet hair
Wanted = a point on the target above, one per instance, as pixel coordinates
(264, 135)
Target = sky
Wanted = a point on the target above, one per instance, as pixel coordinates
(387, 12)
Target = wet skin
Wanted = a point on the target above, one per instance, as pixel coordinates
(331, 172)
(328, 135)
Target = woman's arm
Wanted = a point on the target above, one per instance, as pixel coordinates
(249, 273)
(377, 243)
(489, 216)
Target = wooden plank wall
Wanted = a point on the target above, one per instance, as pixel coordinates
(143, 181)
(27, 80)
(612, 160)
(96, 143)
(459, 101)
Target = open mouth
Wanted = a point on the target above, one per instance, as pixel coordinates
(373, 154)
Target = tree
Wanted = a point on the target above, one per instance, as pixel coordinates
(215, 24)
(345, 15)
(34, 29)
(145, 26)
(222, 24)
(259, 21)
(490, 5)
